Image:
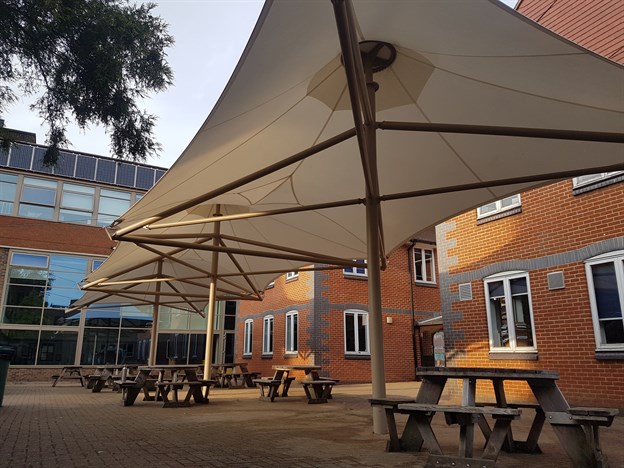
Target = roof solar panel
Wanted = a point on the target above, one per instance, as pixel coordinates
(105, 171)
(125, 174)
(20, 156)
(4, 157)
(38, 161)
(159, 174)
(145, 177)
(66, 164)
(85, 167)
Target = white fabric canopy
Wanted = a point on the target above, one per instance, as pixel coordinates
(458, 62)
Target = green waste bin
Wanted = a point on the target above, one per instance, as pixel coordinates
(6, 354)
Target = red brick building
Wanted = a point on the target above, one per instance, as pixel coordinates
(537, 280)
(321, 317)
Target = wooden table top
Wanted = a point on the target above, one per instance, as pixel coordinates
(487, 373)
(296, 367)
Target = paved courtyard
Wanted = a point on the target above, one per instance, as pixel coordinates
(70, 426)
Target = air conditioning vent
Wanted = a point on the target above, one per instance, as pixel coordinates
(555, 280)
(465, 292)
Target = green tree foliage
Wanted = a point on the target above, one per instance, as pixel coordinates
(91, 61)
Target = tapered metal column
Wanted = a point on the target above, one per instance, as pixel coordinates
(212, 298)
(151, 360)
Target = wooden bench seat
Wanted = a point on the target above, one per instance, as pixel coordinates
(465, 417)
(320, 390)
(591, 419)
(269, 388)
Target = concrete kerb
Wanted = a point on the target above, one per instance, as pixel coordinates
(70, 426)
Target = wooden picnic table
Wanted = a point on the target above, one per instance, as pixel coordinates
(317, 389)
(69, 372)
(234, 375)
(584, 450)
(167, 380)
(109, 375)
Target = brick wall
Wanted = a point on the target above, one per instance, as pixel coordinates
(321, 298)
(556, 231)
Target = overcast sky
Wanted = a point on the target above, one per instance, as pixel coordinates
(210, 36)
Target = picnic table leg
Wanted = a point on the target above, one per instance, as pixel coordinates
(496, 439)
(501, 402)
(129, 395)
(394, 444)
(466, 431)
(58, 379)
(571, 437)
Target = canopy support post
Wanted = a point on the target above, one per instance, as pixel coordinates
(151, 360)
(212, 298)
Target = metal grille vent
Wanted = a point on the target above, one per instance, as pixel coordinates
(555, 280)
(465, 292)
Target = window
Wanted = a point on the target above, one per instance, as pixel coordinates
(267, 335)
(498, 206)
(292, 333)
(593, 178)
(112, 205)
(76, 204)
(509, 312)
(40, 287)
(605, 276)
(38, 198)
(356, 332)
(291, 275)
(8, 187)
(356, 271)
(424, 265)
(271, 285)
(248, 337)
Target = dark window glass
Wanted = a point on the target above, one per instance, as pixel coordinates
(605, 286)
(99, 346)
(24, 342)
(350, 332)
(57, 347)
(22, 315)
(197, 348)
(103, 318)
(172, 348)
(230, 322)
(133, 346)
(30, 296)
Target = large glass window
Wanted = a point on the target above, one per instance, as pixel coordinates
(509, 312)
(292, 332)
(424, 265)
(605, 276)
(8, 187)
(248, 337)
(356, 332)
(77, 204)
(38, 198)
(593, 178)
(267, 335)
(113, 204)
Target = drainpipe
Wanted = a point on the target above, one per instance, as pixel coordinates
(410, 268)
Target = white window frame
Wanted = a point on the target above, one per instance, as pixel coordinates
(499, 206)
(617, 259)
(268, 329)
(356, 271)
(357, 313)
(291, 343)
(589, 179)
(291, 275)
(248, 338)
(419, 251)
(506, 277)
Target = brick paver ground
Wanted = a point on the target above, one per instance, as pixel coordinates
(70, 426)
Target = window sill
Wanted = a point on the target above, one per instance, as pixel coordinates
(266, 356)
(355, 277)
(291, 355)
(598, 184)
(422, 284)
(514, 356)
(247, 356)
(358, 357)
(499, 215)
(610, 355)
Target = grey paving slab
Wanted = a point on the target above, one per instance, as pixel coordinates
(69, 426)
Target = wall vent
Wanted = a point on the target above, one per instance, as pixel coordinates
(555, 280)
(465, 292)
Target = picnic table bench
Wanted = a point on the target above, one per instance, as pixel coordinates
(317, 389)
(69, 372)
(465, 417)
